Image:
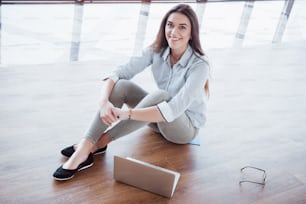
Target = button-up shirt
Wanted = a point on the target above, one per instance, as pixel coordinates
(184, 81)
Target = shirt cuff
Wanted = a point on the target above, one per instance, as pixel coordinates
(166, 111)
(113, 77)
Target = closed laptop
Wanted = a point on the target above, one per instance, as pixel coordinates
(145, 176)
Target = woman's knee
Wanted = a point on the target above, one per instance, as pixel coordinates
(126, 91)
(154, 99)
(118, 93)
(120, 89)
(122, 84)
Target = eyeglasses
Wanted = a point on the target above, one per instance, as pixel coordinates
(264, 176)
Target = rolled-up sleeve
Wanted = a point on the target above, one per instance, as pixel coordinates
(111, 76)
(166, 111)
(191, 92)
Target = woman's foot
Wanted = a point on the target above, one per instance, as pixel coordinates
(68, 151)
(63, 174)
(82, 158)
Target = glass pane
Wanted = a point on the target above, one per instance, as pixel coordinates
(263, 22)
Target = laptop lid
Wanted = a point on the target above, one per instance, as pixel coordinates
(145, 176)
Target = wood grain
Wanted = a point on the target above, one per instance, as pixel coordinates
(256, 116)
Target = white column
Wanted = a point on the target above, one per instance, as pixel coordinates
(244, 21)
(280, 29)
(76, 32)
(141, 28)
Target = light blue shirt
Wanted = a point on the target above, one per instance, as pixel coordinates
(184, 82)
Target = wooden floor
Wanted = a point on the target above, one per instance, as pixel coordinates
(256, 116)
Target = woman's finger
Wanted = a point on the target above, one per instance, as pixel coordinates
(106, 121)
(116, 112)
(111, 116)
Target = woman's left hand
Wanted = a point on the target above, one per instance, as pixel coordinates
(120, 113)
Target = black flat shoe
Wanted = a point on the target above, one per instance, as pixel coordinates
(68, 151)
(62, 174)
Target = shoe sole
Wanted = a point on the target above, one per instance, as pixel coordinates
(98, 153)
(85, 167)
(65, 179)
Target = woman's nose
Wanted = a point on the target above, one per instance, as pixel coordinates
(173, 31)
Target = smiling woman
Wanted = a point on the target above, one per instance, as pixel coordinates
(176, 110)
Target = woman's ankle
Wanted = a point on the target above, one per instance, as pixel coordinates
(103, 142)
(75, 160)
(82, 150)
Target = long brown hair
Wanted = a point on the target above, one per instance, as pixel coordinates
(161, 41)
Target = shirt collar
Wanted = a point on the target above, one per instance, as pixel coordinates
(184, 59)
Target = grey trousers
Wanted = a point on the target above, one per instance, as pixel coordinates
(179, 131)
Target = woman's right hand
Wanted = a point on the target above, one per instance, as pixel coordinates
(106, 114)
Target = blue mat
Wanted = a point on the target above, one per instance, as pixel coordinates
(196, 141)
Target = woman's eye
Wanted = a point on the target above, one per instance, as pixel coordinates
(169, 25)
(182, 27)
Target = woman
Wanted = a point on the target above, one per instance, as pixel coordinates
(176, 110)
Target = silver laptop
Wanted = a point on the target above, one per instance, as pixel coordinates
(145, 176)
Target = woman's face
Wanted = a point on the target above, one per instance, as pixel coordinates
(178, 32)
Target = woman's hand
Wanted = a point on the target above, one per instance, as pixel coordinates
(106, 113)
(121, 114)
